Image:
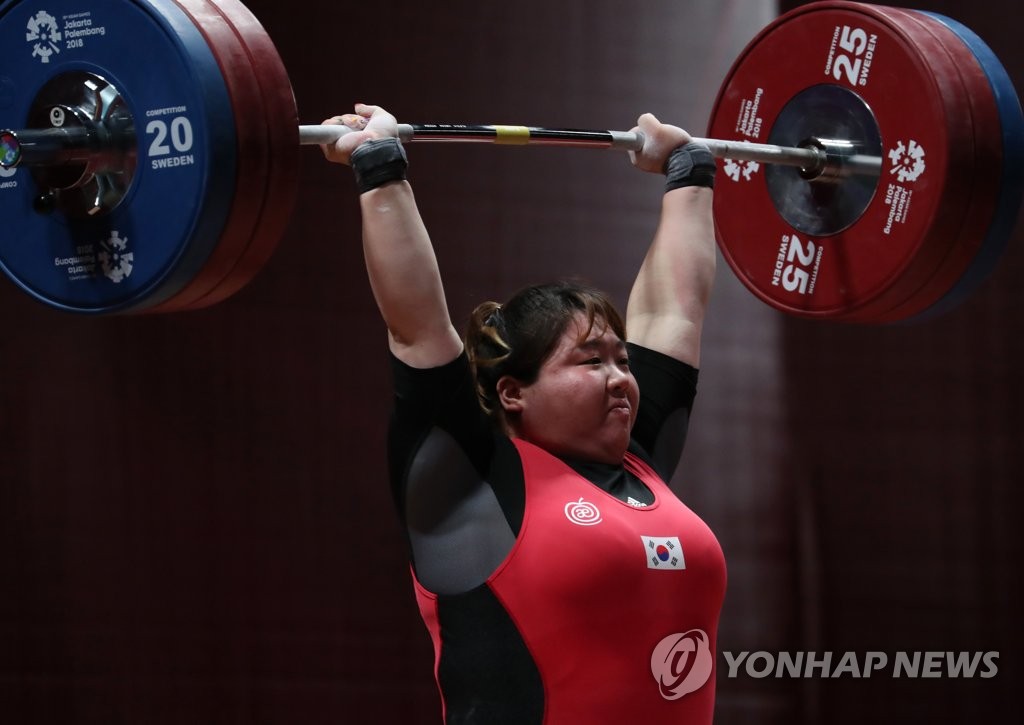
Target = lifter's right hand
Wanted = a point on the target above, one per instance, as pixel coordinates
(368, 122)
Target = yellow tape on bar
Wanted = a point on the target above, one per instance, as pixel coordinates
(514, 135)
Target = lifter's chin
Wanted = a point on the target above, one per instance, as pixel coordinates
(615, 440)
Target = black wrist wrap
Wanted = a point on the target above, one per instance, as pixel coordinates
(377, 162)
(690, 165)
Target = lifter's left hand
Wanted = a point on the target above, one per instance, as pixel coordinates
(660, 140)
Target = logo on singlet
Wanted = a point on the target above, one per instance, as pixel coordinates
(582, 512)
(681, 663)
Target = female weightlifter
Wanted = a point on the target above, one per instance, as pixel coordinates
(559, 577)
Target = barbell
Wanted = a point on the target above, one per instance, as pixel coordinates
(871, 156)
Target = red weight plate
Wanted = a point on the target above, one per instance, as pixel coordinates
(253, 162)
(983, 190)
(889, 252)
(282, 122)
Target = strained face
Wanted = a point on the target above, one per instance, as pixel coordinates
(584, 401)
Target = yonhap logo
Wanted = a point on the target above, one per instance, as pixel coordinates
(682, 663)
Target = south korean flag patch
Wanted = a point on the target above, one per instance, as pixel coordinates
(663, 552)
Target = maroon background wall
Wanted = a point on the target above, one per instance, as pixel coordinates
(194, 522)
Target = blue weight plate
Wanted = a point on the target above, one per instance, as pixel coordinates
(1011, 188)
(155, 241)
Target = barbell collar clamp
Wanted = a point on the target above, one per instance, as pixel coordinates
(838, 160)
(47, 147)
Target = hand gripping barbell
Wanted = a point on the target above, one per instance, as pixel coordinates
(884, 193)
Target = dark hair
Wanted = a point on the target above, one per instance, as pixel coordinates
(517, 337)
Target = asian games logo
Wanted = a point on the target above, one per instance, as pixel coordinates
(682, 663)
(44, 34)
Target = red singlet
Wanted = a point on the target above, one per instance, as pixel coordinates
(617, 605)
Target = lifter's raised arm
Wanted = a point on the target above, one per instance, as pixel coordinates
(670, 295)
(400, 259)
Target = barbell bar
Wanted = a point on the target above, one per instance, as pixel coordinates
(817, 159)
(872, 197)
